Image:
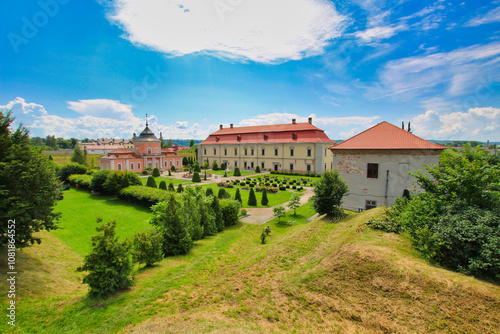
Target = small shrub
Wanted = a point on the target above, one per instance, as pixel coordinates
(81, 181)
(230, 209)
(118, 180)
(385, 225)
(257, 169)
(243, 213)
(223, 194)
(151, 182)
(171, 187)
(98, 179)
(242, 183)
(144, 172)
(282, 188)
(264, 200)
(209, 192)
(237, 196)
(179, 188)
(197, 168)
(237, 172)
(156, 172)
(147, 248)
(163, 185)
(196, 177)
(222, 166)
(71, 168)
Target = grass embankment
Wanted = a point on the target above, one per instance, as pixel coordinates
(310, 277)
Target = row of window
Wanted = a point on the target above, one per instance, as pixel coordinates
(132, 165)
(275, 167)
(263, 151)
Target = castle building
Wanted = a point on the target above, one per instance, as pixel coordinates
(146, 152)
(375, 164)
(293, 147)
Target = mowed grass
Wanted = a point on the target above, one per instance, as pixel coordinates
(66, 158)
(316, 277)
(79, 212)
(274, 177)
(231, 172)
(274, 199)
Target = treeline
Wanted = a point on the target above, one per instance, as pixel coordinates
(462, 143)
(53, 143)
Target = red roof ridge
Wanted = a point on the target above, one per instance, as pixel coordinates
(396, 138)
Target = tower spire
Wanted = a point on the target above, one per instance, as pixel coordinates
(146, 120)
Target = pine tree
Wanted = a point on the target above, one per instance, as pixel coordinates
(108, 264)
(328, 194)
(78, 156)
(264, 200)
(252, 200)
(171, 187)
(147, 248)
(219, 221)
(237, 196)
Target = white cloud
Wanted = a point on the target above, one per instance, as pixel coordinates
(100, 119)
(380, 33)
(458, 72)
(257, 30)
(475, 124)
(490, 17)
(100, 107)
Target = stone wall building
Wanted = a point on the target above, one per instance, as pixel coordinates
(375, 164)
(298, 147)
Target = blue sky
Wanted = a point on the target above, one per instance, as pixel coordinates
(96, 68)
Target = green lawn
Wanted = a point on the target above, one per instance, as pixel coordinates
(79, 211)
(274, 199)
(304, 212)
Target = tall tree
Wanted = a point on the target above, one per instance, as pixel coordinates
(79, 156)
(170, 143)
(50, 141)
(191, 143)
(328, 194)
(28, 186)
(294, 203)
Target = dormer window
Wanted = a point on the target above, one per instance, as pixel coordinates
(294, 136)
(266, 136)
(216, 139)
(238, 137)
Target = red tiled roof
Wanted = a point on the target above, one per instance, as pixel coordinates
(102, 147)
(385, 136)
(278, 133)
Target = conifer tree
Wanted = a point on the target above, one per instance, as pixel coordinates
(264, 200)
(162, 185)
(237, 196)
(252, 200)
(171, 187)
(151, 182)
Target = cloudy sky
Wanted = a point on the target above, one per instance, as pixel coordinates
(96, 68)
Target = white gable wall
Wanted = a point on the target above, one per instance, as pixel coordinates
(392, 179)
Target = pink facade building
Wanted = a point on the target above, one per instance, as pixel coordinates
(147, 152)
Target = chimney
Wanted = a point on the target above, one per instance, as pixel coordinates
(231, 125)
(403, 125)
(221, 126)
(409, 129)
(310, 120)
(294, 121)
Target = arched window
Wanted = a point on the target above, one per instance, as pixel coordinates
(149, 150)
(156, 150)
(132, 166)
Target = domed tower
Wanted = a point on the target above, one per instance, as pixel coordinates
(148, 147)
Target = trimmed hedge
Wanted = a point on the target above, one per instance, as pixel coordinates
(143, 195)
(80, 180)
(196, 177)
(230, 209)
(237, 172)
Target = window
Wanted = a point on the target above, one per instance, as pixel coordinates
(308, 168)
(266, 136)
(275, 167)
(246, 151)
(107, 165)
(132, 166)
(372, 171)
(291, 167)
(251, 165)
(262, 165)
(263, 152)
(245, 165)
(137, 150)
(235, 151)
(215, 151)
(309, 152)
(252, 151)
(138, 165)
(119, 166)
(225, 151)
(291, 151)
(235, 164)
(149, 150)
(178, 162)
(370, 205)
(166, 164)
(294, 136)
(205, 151)
(171, 162)
(275, 151)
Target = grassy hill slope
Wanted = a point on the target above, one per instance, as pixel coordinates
(311, 277)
